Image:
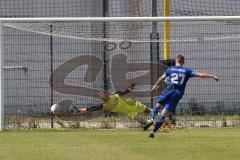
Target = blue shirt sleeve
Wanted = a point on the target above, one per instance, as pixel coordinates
(167, 72)
(192, 73)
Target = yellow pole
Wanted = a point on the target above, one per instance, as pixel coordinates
(166, 31)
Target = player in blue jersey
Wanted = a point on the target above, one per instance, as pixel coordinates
(176, 78)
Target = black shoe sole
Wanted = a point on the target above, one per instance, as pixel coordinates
(151, 136)
(147, 126)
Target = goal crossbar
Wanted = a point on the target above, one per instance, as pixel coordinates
(122, 19)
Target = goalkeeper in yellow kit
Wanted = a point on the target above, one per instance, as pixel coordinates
(116, 103)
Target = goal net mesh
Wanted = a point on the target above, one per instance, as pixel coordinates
(69, 62)
(47, 63)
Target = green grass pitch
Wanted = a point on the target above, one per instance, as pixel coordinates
(179, 144)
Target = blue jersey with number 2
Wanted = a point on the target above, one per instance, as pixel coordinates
(177, 77)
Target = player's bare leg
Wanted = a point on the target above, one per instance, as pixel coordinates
(167, 123)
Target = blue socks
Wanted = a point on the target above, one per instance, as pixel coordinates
(154, 113)
(159, 123)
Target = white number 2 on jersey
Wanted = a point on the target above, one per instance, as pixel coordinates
(175, 78)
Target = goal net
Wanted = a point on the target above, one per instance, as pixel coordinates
(69, 62)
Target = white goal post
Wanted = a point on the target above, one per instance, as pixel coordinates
(92, 19)
(1, 79)
(122, 19)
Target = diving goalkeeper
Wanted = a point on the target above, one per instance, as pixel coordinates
(111, 102)
(115, 102)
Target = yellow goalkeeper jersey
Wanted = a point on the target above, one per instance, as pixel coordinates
(128, 106)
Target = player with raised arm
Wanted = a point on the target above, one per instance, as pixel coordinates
(177, 77)
(111, 102)
(117, 103)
